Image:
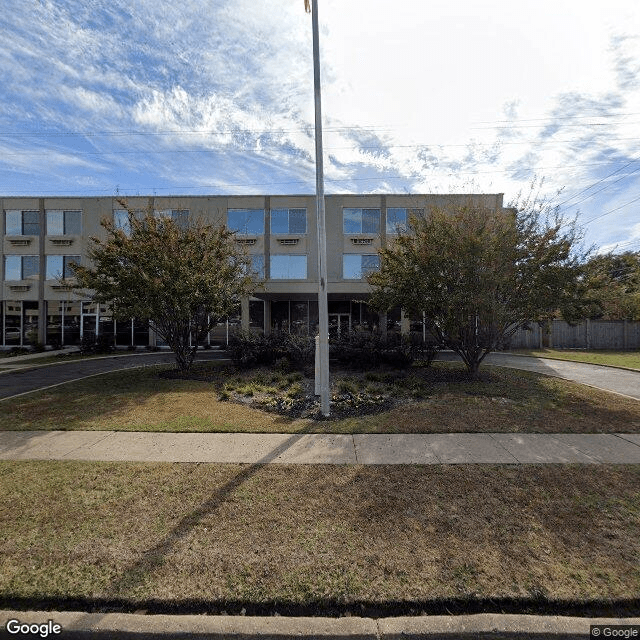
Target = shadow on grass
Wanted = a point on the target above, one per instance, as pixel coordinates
(154, 557)
(374, 505)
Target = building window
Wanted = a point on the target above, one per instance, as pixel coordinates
(248, 222)
(20, 267)
(63, 223)
(288, 221)
(63, 322)
(288, 267)
(256, 268)
(60, 266)
(357, 266)
(121, 219)
(12, 323)
(256, 314)
(179, 216)
(22, 223)
(361, 220)
(396, 220)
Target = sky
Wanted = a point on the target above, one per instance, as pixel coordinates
(144, 97)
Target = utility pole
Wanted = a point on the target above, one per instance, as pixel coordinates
(323, 309)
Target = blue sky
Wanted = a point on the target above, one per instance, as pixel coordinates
(151, 97)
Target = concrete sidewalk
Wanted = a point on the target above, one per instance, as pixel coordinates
(9, 363)
(370, 449)
(464, 627)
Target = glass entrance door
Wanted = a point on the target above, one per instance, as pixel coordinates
(338, 325)
(89, 326)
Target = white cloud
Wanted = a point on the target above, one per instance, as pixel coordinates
(441, 94)
(630, 243)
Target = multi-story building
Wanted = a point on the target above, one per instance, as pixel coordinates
(43, 236)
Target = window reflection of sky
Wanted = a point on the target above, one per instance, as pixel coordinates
(357, 266)
(288, 267)
(246, 221)
(361, 220)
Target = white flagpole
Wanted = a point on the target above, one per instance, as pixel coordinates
(323, 311)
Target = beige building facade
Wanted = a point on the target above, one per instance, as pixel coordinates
(42, 236)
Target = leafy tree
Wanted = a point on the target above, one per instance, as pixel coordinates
(613, 285)
(480, 274)
(184, 279)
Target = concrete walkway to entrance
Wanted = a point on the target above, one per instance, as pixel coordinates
(623, 381)
(370, 449)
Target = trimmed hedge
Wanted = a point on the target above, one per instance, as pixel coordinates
(361, 350)
(248, 349)
(357, 350)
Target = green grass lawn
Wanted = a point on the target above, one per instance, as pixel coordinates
(629, 359)
(329, 535)
(420, 400)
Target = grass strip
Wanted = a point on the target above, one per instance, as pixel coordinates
(303, 535)
(627, 359)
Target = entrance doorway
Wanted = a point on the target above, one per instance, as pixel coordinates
(89, 326)
(339, 325)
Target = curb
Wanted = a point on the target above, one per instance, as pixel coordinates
(98, 626)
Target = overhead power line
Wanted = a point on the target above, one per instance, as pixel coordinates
(169, 132)
(183, 151)
(551, 123)
(598, 182)
(606, 186)
(354, 147)
(553, 118)
(512, 124)
(606, 213)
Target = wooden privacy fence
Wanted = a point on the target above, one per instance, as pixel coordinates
(588, 334)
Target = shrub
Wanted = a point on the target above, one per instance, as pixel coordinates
(283, 365)
(32, 338)
(97, 344)
(347, 386)
(248, 349)
(366, 351)
(17, 351)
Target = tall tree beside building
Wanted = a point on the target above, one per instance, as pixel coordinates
(613, 282)
(479, 274)
(184, 278)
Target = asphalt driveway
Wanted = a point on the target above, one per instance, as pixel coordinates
(30, 379)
